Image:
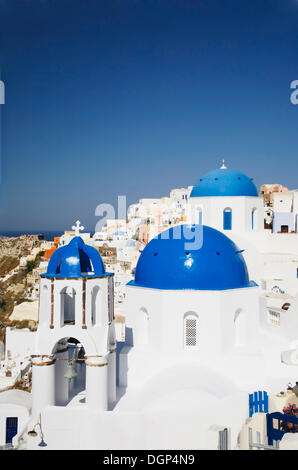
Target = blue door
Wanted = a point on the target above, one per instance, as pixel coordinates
(11, 429)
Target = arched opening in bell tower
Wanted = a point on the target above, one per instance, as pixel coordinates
(68, 306)
(70, 372)
(96, 304)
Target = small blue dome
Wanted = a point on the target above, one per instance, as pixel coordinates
(130, 243)
(165, 263)
(119, 233)
(75, 260)
(224, 182)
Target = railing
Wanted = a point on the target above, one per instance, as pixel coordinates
(257, 445)
(278, 424)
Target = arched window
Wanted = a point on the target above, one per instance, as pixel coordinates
(68, 302)
(239, 328)
(144, 314)
(199, 220)
(190, 333)
(144, 325)
(254, 218)
(95, 305)
(227, 219)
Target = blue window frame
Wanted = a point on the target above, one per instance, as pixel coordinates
(227, 219)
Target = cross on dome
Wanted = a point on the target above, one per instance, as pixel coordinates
(77, 228)
(223, 166)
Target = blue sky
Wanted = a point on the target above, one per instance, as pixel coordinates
(135, 97)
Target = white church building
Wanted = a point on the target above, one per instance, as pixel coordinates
(228, 201)
(198, 340)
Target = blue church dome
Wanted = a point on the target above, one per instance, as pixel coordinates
(130, 243)
(165, 263)
(224, 182)
(119, 233)
(75, 260)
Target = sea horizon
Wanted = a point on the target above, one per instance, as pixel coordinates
(48, 234)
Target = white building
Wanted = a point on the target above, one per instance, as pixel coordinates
(68, 235)
(285, 212)
(152, 216)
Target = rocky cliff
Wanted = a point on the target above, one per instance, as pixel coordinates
(12, 288)
(18, 246)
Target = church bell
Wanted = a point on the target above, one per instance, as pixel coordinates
(71, 371)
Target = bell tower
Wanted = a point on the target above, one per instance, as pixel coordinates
(75, 330)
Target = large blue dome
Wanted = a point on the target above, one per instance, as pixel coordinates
(165, 263)
(75, 260)
(224, 182)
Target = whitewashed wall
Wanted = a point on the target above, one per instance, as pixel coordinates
(242, 206)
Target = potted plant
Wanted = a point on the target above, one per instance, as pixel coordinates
(292, 410)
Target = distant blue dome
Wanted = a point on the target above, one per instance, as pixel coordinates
(224, 182)
(130, 243)
(165, 263)
(119, 233)
(75, 260)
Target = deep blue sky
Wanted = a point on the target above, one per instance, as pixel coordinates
(135, 97)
